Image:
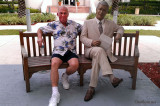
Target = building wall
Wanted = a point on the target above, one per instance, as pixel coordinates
(82, 2)
(36, 4)
(54, 2)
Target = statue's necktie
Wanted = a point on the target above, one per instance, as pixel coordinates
(100, 27)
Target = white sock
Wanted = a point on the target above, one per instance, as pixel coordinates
(55, 90)
(111, 77)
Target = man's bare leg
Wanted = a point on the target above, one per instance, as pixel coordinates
(55, 98)
(73, 66)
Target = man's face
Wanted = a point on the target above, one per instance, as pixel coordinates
(101, 11)
(63, 15)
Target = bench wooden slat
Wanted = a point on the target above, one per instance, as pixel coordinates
(129, 35)
(130, 46)
(136, 42)
(28, 46)
(34, 46)
(80, 47)
(44, 61)
(119, 50)
(39, 51)
(114, 47)
(45, 48)
(50, 45)
(39, 61)
(124, 49)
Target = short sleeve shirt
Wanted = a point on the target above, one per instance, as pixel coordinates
(64, 36)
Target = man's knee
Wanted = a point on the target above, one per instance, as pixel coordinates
(99, 51)
(74, 64)
(56, 62)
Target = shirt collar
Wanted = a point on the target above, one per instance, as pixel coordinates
(99, 21)
(68, 22)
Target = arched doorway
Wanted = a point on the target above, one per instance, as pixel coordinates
(69, 2)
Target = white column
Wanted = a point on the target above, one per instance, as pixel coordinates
(28, 19)
(68, 2)
(115, 14)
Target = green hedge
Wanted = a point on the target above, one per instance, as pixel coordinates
(130, 20)
(131, 10)
(3, 2)
(147, 7)
(12, 19)
(140, 3)
(34, 10)
(5, 9)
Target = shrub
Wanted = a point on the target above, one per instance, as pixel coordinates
(124, 19)
(147, 7)
(4, 2)
(108, 16)
(13, 19)
(5, 9)
(34, 10)
(90, 16)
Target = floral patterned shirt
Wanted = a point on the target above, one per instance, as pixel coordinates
(64, 37)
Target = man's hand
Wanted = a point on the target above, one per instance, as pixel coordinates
(96, 43)
(39, 38)
(118, 36)
(40, 41)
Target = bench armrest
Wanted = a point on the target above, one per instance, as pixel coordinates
(136, 51)
(24, 52)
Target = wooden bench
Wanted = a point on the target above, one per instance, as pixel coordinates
(126, 50)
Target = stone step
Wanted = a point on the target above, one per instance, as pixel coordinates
(72, 9)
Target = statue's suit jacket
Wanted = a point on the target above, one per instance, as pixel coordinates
(91, 32)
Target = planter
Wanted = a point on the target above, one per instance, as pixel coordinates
(78, 3)
(137, 11)
(59, 3)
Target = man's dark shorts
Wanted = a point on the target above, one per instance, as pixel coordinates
(67, 56)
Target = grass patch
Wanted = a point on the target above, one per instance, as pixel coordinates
(10, 32)
(142, 32)
(145, 32)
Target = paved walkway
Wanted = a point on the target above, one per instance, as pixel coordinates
(12, 85)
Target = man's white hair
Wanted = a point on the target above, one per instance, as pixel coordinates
(104, 3)
(63, 7)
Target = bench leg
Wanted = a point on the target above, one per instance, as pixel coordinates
(27, 85)
(81, 79)
(82, 69)
(81, 73)
(134, 79)
(23, 74)
(27, 80)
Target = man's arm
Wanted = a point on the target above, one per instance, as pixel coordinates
(119, 30)
(39, 40)
(84, 39)
(118, 36)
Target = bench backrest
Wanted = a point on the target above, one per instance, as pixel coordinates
(125, 47)
(29, 41)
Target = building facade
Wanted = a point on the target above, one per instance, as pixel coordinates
(52, 5)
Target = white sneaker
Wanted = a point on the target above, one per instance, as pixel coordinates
(65, 81)
(54, 100)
